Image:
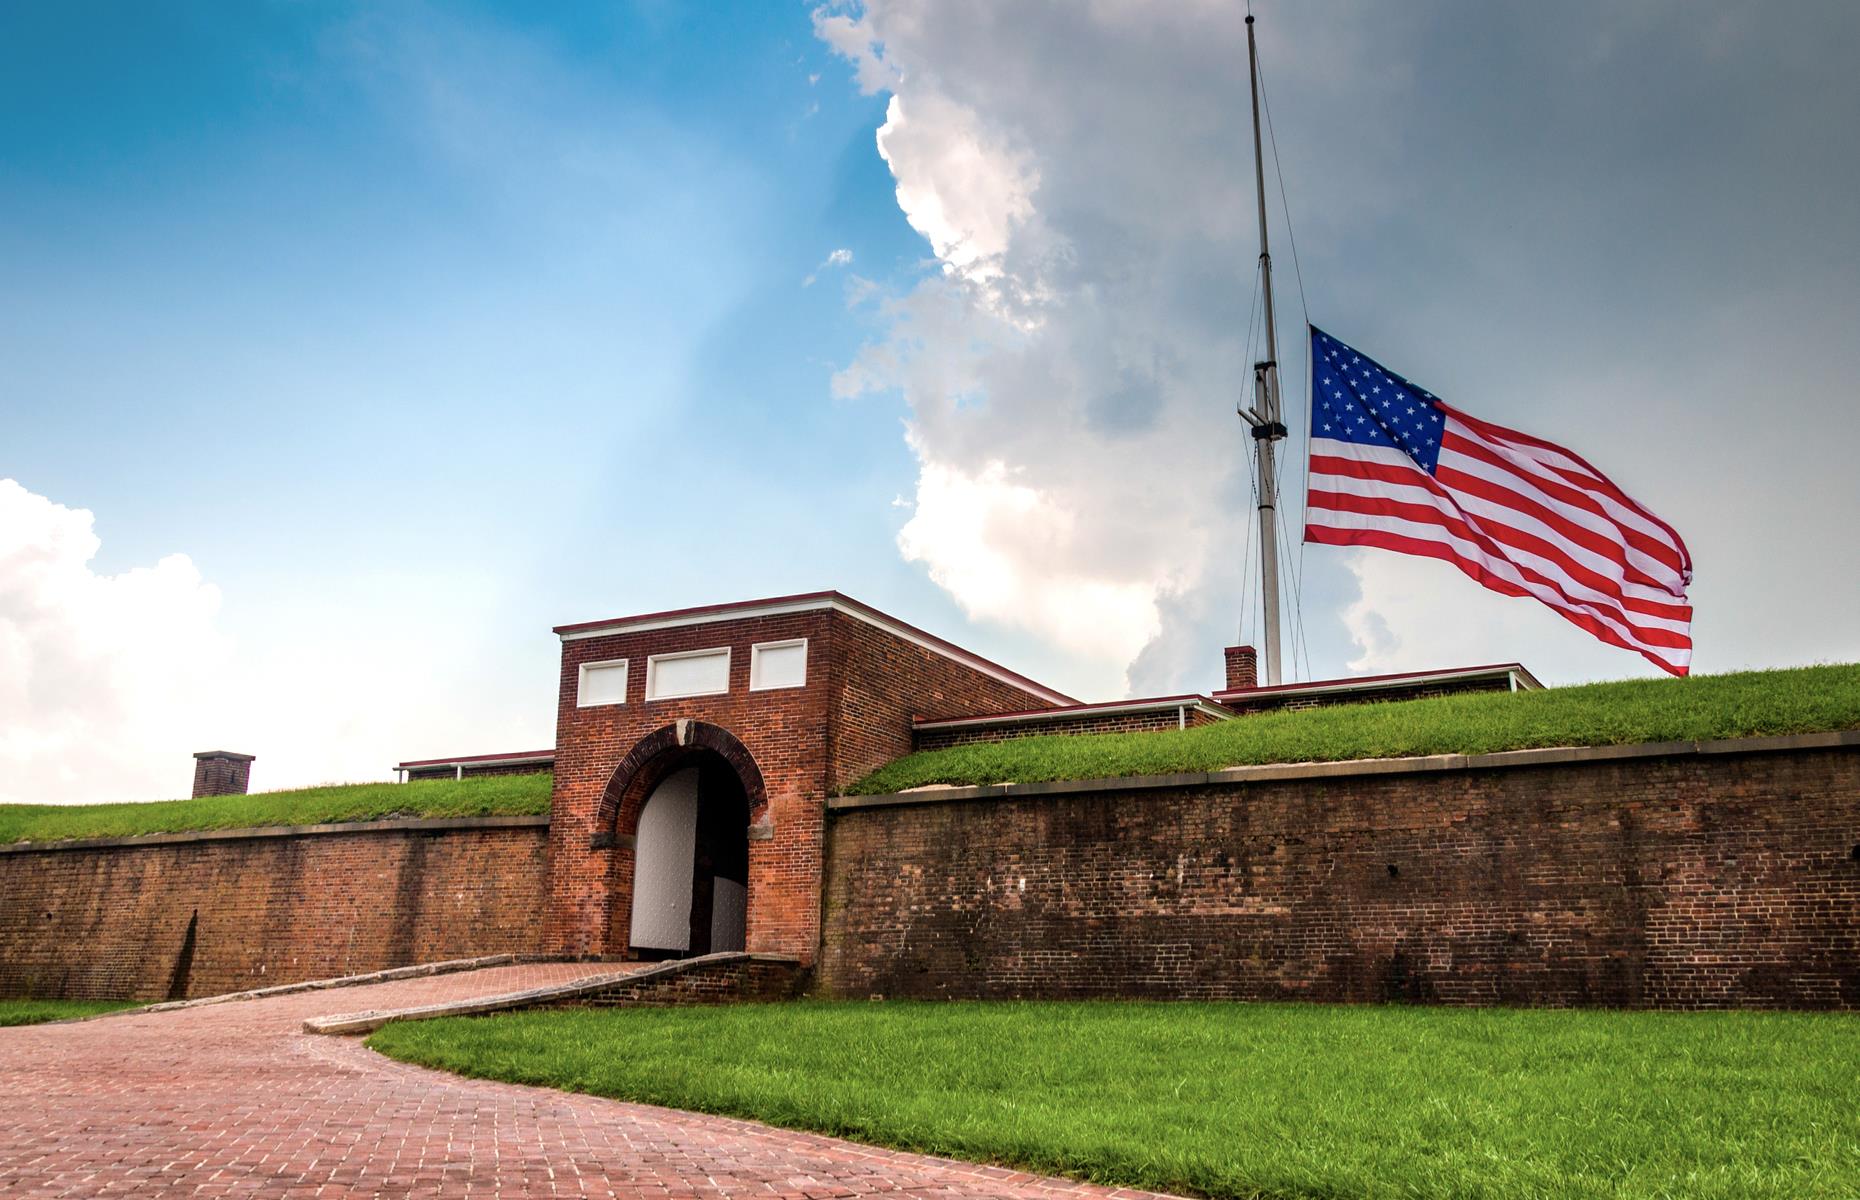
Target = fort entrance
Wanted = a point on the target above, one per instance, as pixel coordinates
(681, 803)
(691, 864)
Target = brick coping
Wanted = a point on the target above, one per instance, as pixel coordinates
(369, 1020)
(1424, 764)
(396, 825)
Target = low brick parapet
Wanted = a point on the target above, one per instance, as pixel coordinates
(706, 979)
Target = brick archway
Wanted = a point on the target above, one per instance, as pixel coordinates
(652, 760)
(657, 755)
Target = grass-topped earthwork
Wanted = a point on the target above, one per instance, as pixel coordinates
(33, 1012)
(1241, 1100)
(485, 796)
(1750, 703)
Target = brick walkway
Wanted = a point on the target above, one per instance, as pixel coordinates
(234, 1100)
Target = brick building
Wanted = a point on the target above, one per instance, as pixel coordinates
(696, 750)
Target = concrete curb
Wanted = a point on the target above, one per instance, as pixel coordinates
(369, 1020)
(1281, 772)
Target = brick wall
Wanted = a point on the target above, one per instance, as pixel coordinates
(1681, 880)
(134, 918)
(882, 682)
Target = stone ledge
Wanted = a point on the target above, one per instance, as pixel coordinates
(416, 971)
(404, 825)
(1426, 764)
(556, 993)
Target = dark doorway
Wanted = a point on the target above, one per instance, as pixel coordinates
(691, 864)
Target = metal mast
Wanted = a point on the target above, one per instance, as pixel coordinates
(1264, 417)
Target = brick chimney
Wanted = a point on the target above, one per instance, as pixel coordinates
(1242, 668)
(221, 773)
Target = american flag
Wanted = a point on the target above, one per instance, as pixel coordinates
(1392, 466)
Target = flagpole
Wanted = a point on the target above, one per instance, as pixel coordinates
(1264, 417)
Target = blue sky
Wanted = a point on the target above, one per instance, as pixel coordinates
(416, 330)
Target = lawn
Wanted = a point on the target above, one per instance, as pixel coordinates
(32, 1012)
(1803, 700)
(1239, 1100)
(485, 796)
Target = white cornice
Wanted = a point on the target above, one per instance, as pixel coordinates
(855, 610)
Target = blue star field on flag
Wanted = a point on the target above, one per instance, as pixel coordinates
(1357, 399)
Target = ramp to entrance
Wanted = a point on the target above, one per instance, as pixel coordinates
(708, 979)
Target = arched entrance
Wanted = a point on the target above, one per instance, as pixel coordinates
(691, 865)
(679, 812)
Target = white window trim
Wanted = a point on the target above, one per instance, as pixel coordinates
(653, 661)
(755, 661)
(581, 683)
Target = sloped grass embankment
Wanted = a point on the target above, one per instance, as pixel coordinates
(1703, 708)
(1311, 1102)
(486, 796)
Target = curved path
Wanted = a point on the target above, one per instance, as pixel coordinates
(235, 1100)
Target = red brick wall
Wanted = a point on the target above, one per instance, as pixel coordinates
(112, 921)
(882, 682)
(1681, 882)
(854, 714)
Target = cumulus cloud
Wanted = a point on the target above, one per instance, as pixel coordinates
(104, 679)
(1070, 394)
(1082, 175)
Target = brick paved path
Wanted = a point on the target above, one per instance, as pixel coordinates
(235, 1100)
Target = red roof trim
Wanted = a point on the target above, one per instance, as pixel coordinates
(1397, 677)
(525, 756)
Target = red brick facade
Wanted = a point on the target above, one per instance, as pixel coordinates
(866, 677)
(199, 914)
(1670, 880)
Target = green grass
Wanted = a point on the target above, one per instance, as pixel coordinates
(1239, 1100)
(486, 796)
(1803, 700)
(31, 1012)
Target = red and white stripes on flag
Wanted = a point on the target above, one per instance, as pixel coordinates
(1518, 514)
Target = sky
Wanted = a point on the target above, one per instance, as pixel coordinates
(344, 350)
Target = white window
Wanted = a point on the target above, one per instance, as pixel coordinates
(602, 683)
(693, 673)
(778, 665)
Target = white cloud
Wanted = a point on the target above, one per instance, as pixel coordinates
(104, 679)
(1004, 550)
(841, 257)
(959, 183)
(1070, 402)
(110, 682)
